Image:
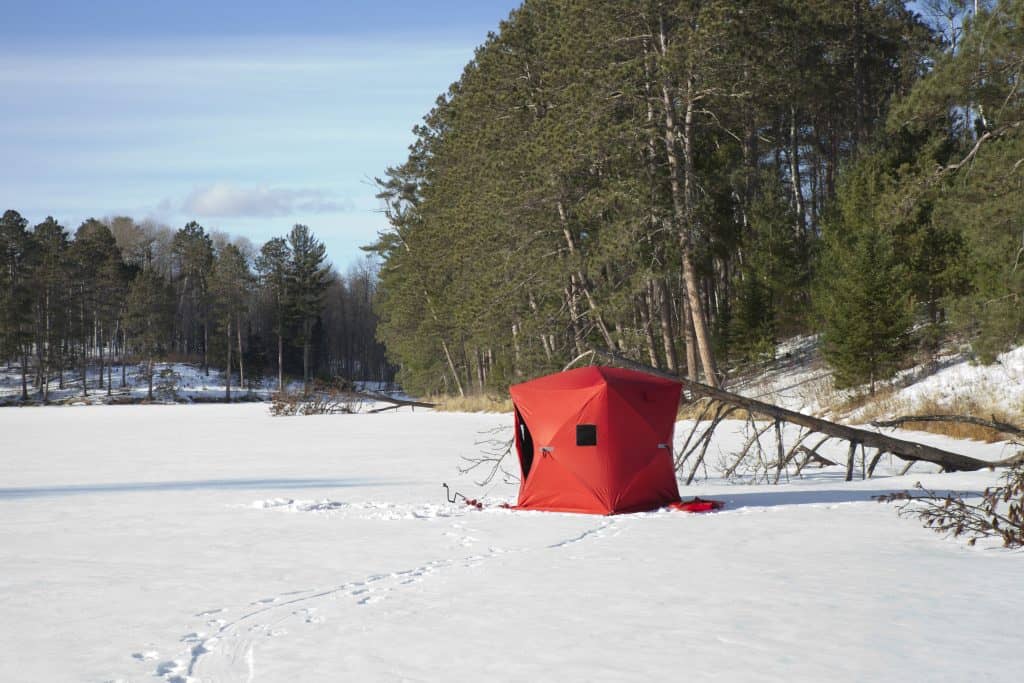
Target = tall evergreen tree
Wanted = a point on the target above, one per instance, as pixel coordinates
(865, 297)
(16, 256)
(229, 290)
(50, 284)
(272, 267)
(150, 318)
(308, 278)
(193, 253)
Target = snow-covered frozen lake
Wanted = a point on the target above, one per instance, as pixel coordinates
(216, 543)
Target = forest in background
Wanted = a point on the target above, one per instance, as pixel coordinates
(686, 183)
(683, 183)
(118, 291)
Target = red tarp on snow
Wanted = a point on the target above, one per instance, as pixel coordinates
(596, 440)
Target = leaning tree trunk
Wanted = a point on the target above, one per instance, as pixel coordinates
(906, 450)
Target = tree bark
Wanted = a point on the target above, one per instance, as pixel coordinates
(543, 338)
(241, 360)
(124, 359)
(574, 317)
(280, 361)
(794, 173)
(206, 346)
(85, 359)
(98, 335)
(667, 340)
(24, 375)
(227, 372)
(644, 305)
(690, 341)
(451, 367)
(579, 280)
(682, 206)
(305, 355)
(517, 364)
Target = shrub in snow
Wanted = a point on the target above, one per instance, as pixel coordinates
(322, 398)
(166, 386)
(999, 513)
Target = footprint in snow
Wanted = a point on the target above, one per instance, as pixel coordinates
(211, 612)
(172, 666)
(311, 617)
(147, 656)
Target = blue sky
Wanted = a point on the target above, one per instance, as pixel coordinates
(246, 116)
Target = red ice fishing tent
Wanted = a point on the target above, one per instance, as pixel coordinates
(596, 440)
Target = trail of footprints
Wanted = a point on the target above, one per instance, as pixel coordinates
(233, 639)
(265, 618)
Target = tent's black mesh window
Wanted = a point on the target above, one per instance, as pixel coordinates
(525, 448)
(586, 435)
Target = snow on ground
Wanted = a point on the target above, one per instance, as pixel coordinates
(216, 543)
(171, 382)
(1001, 383)
(798, 378)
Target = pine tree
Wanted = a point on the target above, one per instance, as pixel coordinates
(150, 317)
(308, 278)
(50, 284)
(865, 298)
(229, 290)
(97, 276)
(272, 266)
(16, 257)
(193, 253)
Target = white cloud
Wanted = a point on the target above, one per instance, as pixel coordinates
(225, 200)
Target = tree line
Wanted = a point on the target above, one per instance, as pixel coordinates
(651, 177)
(119, 291)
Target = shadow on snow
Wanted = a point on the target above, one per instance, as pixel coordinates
(739, 501)
(199, 485)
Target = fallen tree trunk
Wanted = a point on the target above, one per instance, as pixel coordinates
(993, 424)
(396, 402)
(906, 450)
